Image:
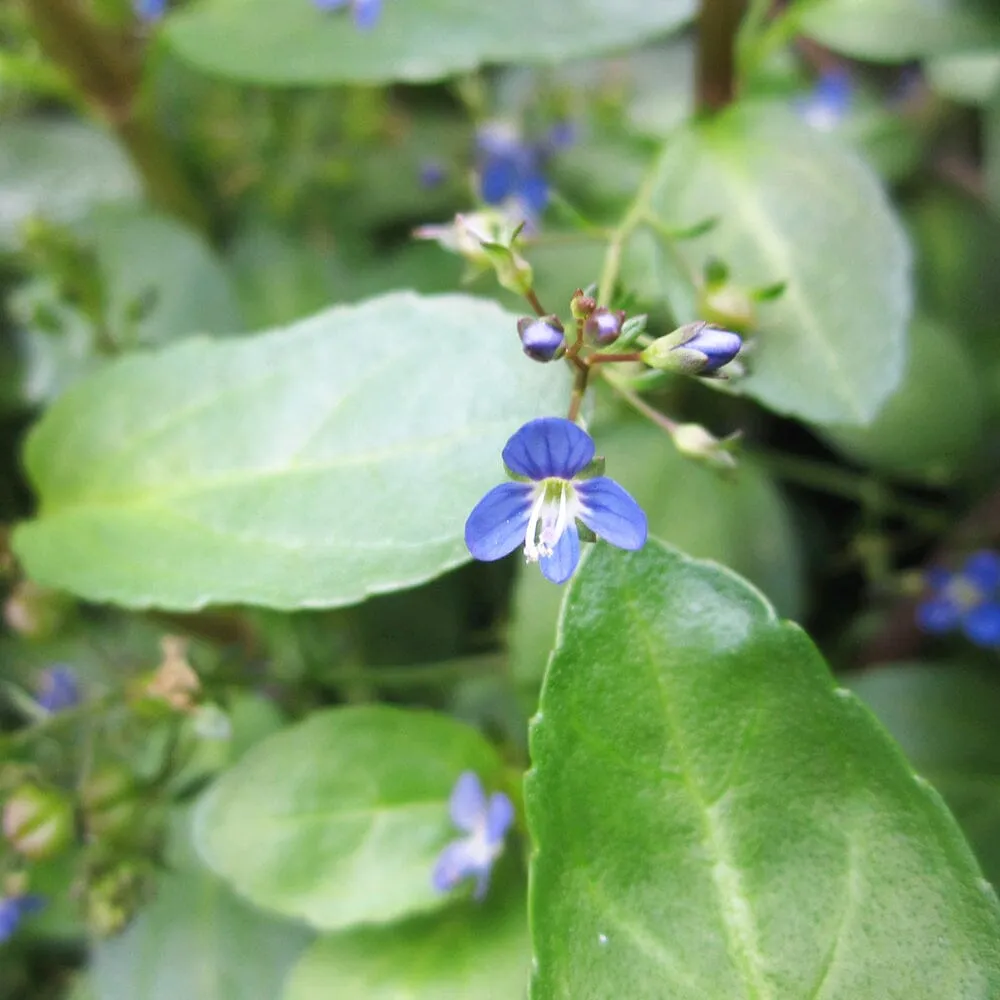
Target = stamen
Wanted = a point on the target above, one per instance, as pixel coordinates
(531, 550)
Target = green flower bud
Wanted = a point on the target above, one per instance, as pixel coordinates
(38, 822)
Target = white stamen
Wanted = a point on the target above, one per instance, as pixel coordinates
(531, 550)
(546, 524)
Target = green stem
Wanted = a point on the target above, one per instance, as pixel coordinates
(104, 66)
(718, 25)
(641, 406)
(749, 37)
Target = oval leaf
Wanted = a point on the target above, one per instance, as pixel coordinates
(415, 40)
(339, 820)
(793, 205)
(471, 953)
(303, 467)
(714, 819)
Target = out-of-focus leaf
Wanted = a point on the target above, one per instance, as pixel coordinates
(308, 466)
(712, 818)
(339, 820)
(944, 716)
(58, 169)
(467, 953)
(970, 77)
(932, 429)
(795, 206)
(420, 40)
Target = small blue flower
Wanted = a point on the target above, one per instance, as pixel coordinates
(553, 454)
(965, 600)
(149, 10)
(717, 345)
(829, 101)
(13, 909)
(366, 12)
(542, 339)
(486, 822)
(58, 689)
(511, 170)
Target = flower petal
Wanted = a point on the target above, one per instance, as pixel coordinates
(982, 570)
(982, 625)
(468, 802)
(455, 862)
(499, 816)
(498, 179)
(498, 522)
(559, 566)
(937, 615)
(367, 13)
(533, 194)
(611, 513)
(549, 447)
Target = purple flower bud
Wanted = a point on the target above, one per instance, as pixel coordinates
(717, 345)
(542, 339)
(604, 326)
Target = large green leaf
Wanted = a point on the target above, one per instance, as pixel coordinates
(312, 465)
(415, 40)
(792, 205)
(197, 942)
(713, 818)
(945, 719)
(339, 820)
(57, 169)
(898, 30)
(469, 953)
(690, 506)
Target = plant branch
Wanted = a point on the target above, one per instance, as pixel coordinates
(718, 26)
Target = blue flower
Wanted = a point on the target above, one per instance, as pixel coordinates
(965, 600)
(542, 339)
(486, 822)
(827, 104)
(366, 12)
(13, 909)
(58, 689)
(149, 10)
(512, 171)
(550, 457)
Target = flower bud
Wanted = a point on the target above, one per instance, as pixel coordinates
(695, 349)
(604, 326)
(36, 612)
(727, 305)
(693, 441)
(513, 272)
(38, 822)
(581, 305)
(542, 339)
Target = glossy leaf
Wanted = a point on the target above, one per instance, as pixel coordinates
(899, 30)
(793, 205)
(196, 941)
(713, 818)
(275, 470)
(417, 40)
(58, 170)
(471, 952)
(944, 717)
(690, 506)
(339, 820)
(933, 428)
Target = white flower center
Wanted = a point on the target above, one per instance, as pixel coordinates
(554, 509)
(480, 851)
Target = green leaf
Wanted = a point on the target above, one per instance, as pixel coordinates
(712, 818)
(419, 40)
(472, 952)
(197, 942)
(690, 506)
(339, 820)
(898, 30)
(945, 719)
(933, 428)
(307, 466)
(161, 281)
(969, 77)
(57, 169)
(793, 205)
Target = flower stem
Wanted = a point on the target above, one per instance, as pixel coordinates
(718, 25)
(104, 66)
(603, 359)
(641, 406)
(534, 303)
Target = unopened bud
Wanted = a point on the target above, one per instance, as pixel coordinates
(542, 339)
(727, 305)
(694, 349)
(581, 305)
(513, 272)
(604, 326)
(693, 441)
(38, 822)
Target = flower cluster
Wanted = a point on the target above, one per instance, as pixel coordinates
(557, 486)
(486, 821)
(967, 600)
